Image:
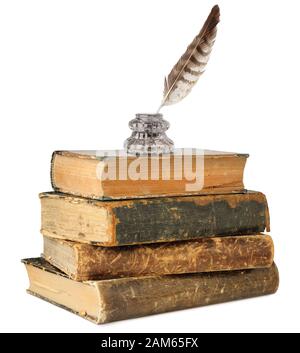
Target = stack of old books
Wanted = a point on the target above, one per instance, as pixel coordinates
(118, 245)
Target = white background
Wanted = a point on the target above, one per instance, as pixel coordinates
(73, 73)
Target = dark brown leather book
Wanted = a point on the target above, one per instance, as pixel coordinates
(87, 262)
(136, 221)
(115, 175)
(123, 298)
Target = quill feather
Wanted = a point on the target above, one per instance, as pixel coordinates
(191, 65)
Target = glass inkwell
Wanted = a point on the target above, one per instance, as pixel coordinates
(149, 135)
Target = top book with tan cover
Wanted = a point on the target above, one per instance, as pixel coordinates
(116, 175)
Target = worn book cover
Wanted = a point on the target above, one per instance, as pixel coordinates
(123, 298)
(87, 262)
(116, 175)
(136, 221)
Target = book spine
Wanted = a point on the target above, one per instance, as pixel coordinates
(52, 170)
(205, 255)
(162, 220)
(134, 297)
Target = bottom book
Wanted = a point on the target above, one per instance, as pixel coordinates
(123, 298)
